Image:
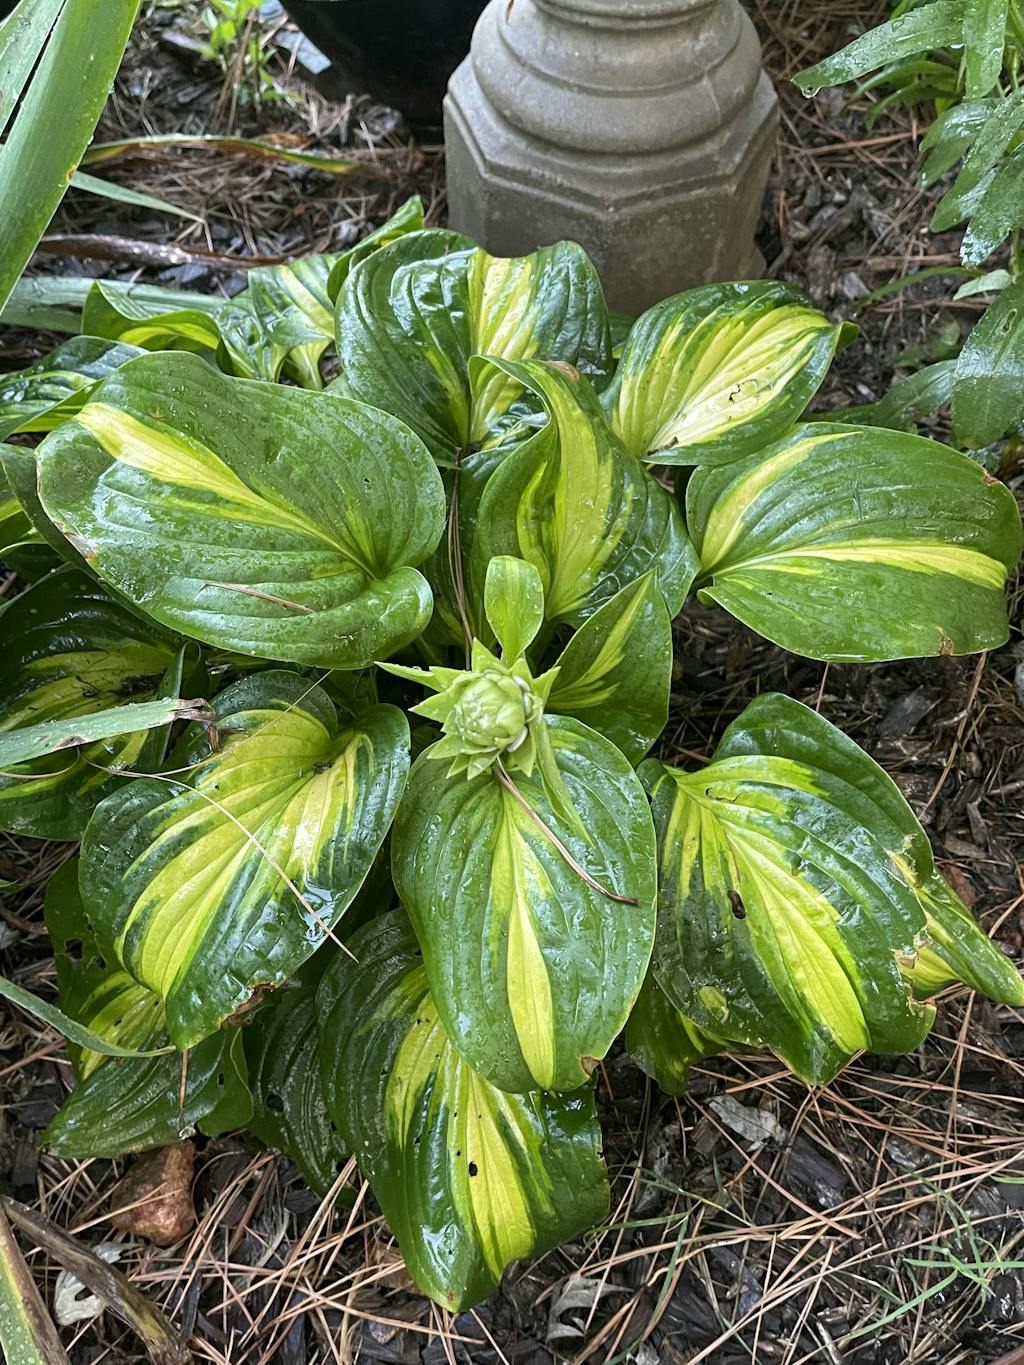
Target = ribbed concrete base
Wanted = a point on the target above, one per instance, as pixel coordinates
(641, 128)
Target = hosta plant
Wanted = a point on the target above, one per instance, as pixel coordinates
(348, 691)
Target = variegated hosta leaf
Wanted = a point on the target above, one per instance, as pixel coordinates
(289, 1108)
(664, 1043)
(283, 321)
(468, 1177)
(957, 949)
(534, 971)
(716, 373)
(408, 219)
(794, 884)
(615, 674)
(577, 505)
(68, 649)
(19, 466)
(150, 320)
(222, 880)
(255, 517)
(856, 544)
(40, 397)
(409, 323)
(129, 1105)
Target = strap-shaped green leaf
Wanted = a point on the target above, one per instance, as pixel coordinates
(79, 731)
(988, 388)
(255, 517)
(663, 1042)
(414, 314)
(988, 143)
(716, 373)
(533, 970)
(847, 543)
(795, 883)
(951, 135)
(469, 1178)
(984, 43)
(214, 883)
(39, 397)
(67, 649)
(289, 1108)
(615, 674)
(939, 24)
(577, 505)
(514, 603)
(129, 1105)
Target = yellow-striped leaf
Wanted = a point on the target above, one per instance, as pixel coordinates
(469, 1178)
(67, 649)
(406, 220)
(130, 1105)
(223, 879)
(795, 887)
(575, 504)
(615, 674)
(259, 518)
(39, 397)
(663, 1042)
(282, 322)
(716, 373)
(955, 948)
(534, 971)
(412, 316)
(150, 319)
(857, 544)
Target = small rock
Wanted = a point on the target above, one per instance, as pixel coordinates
(159, 1190)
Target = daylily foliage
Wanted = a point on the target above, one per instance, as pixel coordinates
(416, 942)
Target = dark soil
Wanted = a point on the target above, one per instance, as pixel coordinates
(876, 1220)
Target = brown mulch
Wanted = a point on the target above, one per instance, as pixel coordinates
(876, 1220)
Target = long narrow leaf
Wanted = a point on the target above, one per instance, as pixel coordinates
(984, 43)
(60, 107)
(106, 151)
(32, 741)
(27, 1333)
(121, 194)
(66, 1026)
(939, 24)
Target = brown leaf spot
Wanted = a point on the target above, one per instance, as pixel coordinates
(945, 647)
(154, 1200)
(990, 479)
(563, 367)
(589, 1065)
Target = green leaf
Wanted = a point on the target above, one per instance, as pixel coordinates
(39, 397)
(984, 44)
(951, 135)
(213, 884)
(414, 314)
(19, 466)
(152, 321)
(664, 1043)
(514, 603)
(83, 1038)
(939, 24)
(533, 970)
(908, 402)
(283, 321)
(997, 211)
(50, 113)
(789, 876)
(409, 218)
(905, 557)
(717, 373)
(100, 152)
(258, 518)
(988, 390)
(615, 674)
(82, 731)
(122, 194)
(577, 505)
(957, 949)
(153, 1099)
(469, 1178)
(289, 1108)
(1000, 127)
(67, 649)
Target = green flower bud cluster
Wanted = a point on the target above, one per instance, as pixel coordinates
(490, 711)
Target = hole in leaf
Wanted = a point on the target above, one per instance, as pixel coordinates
(275, 1102)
